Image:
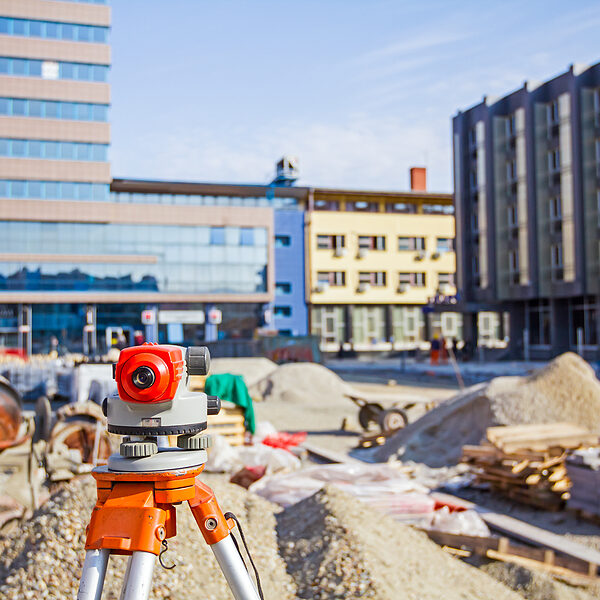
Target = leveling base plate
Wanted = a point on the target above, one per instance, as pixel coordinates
(166, 459)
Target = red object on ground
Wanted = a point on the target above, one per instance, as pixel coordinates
(284, 440)
(248, 475)
(451, 507)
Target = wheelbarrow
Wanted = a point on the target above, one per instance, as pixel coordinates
(388, 419)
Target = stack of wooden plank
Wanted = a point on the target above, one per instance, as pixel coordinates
(583, 469)
(527, 462)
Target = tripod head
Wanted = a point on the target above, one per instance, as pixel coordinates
(153, 401)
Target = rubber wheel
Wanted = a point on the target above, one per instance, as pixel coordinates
(369, 413)
(43, 419)
(392, 419)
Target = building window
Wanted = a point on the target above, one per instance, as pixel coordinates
(472, 137)
(50, 109)
(333, 278)
(552, 112)
(473, 179)
(283, 288)
(443, 245)
(53, 150)
(371, 242)
(555, 208)
(511, 128)
(411, 243)
(556, 261)
(438, 209)
(400, 207)
(328, 242)
(511, 170)
(412, 279)
(217, 236)
(445, 279)
(52, 30)
(246, 236)
(283, 311)
(53, 190)
(52, 70)
(554, 160)
(362, 206)
(475, 220)
(513, 267)
(327, 205)
(511, 212)
(374, 278)
(283, 241)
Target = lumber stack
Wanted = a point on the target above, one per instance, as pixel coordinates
(583, 469)
(527, 462)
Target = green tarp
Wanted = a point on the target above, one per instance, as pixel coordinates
(232, 388)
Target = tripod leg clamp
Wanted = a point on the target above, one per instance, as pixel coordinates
(208, 515)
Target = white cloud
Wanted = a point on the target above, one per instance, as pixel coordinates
(362, 152)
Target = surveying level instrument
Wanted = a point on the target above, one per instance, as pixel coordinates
(139, 487)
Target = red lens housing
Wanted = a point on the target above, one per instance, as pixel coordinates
(166, 362)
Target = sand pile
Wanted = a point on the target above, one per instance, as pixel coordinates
(565, 390)
(252, 370)
(43, 558)
(336, 547)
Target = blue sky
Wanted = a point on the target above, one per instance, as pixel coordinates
(359, 91)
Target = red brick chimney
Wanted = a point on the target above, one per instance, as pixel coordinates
(418, 179)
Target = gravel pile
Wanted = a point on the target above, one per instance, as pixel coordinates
(252, 370)
(43, 559)
(336, 547)
(303, 394)
(565, 390)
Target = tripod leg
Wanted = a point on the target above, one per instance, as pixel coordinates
(92, 575)
(138, 576)
(233, 568)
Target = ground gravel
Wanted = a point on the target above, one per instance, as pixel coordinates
(43, 558)
(566, 389)
(336, 547)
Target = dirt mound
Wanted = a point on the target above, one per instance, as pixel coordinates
(564, 390)
(43, 558)
(252, 370)
(336, 547)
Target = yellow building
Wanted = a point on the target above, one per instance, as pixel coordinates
(375, 259)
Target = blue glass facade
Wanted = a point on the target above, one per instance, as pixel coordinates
(53, 190)
(133, 258)
(290, 311)
(15, 148)
(52, 109)
(27, 67)
(52, 30)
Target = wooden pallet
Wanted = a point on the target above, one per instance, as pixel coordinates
(527, 462)
(228, 423)
(501, 548)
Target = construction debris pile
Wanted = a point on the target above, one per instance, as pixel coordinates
(527, 462)
(583, 470)
(566, 390)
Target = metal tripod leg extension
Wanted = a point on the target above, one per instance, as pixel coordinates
(135, 514)
(92, 575)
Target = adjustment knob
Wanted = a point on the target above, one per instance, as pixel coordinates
(194, 442)
(197, 359)
(138, 449)
(213, 405)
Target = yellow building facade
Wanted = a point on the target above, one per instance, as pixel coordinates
(374, 261)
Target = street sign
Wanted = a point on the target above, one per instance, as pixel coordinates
(215, 316)
(185, 317)
(148, 317)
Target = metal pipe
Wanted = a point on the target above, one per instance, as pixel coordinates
(92, 575)
(138, 576)
(233, 568)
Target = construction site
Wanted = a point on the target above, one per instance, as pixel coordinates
(343, 489)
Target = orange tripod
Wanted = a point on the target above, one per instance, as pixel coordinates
(135, 514)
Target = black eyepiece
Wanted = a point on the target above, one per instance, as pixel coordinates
(143, 377)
